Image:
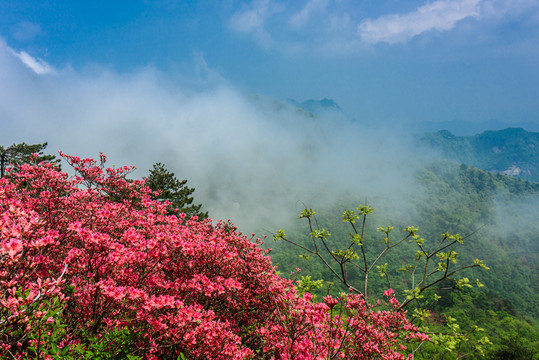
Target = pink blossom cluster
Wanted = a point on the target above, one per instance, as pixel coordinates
(94, 252)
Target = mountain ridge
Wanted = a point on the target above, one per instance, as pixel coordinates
(317, 107)
(511, 151)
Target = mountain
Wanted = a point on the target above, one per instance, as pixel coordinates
(469, 128)
(317, 107)
(512, 151)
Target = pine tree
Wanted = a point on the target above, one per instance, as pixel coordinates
(173, 190)
(18, 154)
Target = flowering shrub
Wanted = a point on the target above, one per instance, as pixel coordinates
(92, 258)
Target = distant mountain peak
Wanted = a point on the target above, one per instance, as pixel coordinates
(317, 106)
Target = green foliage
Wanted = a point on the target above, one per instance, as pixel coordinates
(279, 235)
(424, 275)
(307, 213)
(308, 285)
(497, 217)
(112, 344)
(18, 154)
(176, 192)
(50, 322)
(497, 319)
(514, 348)
(433, 269)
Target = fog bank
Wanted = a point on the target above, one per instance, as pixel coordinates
(250, 158)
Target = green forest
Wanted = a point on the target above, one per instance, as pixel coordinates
(496, 215)
(485, 209)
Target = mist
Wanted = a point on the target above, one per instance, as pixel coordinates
(515, 223)
(250, 158)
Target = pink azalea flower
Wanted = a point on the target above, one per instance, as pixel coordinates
(13, 247)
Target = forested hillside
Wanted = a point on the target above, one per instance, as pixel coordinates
(495, 215)
(511, 151)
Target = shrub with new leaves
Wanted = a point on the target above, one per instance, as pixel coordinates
(92, 262)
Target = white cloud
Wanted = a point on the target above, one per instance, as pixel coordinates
(337, 27)
(252, 19)
(39, 66)
(440, 15)
(303, 16)
(319, 26)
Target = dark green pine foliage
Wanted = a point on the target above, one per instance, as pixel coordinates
(175, 191)
(18, 154)
(513, 348)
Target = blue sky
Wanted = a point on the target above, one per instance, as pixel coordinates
(443, 60)
(174, 81)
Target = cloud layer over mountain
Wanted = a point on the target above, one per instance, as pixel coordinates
(250, 158)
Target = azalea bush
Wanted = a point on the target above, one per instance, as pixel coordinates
(92, 267)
